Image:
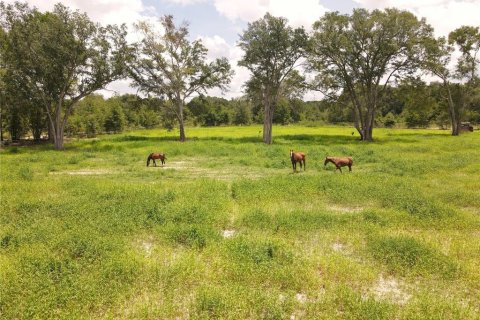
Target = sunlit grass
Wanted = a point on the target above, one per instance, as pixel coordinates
(91, 232)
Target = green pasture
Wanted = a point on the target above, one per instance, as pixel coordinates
(226, 230)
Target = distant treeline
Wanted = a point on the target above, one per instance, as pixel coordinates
(412, 104)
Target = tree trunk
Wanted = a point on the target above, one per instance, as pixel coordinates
(366, 130)
(58, 131)
(183, 138)
(58, 136)
(357, 123)
(451, 108)
(51, 135)
(182, 132)
(367, 134)
(267, 123)
(58, 140)
(1, 126)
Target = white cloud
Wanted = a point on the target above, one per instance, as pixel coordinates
(299, 12)
(118, 87)
(217, 48)
(185, 2)
(443, 15)
(102, 11)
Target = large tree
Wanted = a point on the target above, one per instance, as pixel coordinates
(361, 53)
(3, 73)
(459, 84)
(61, 57)
(272, 51)
(169, 65)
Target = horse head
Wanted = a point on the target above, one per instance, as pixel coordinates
(327, 160)
(148, 159)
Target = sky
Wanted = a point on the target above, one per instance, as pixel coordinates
(220, 22)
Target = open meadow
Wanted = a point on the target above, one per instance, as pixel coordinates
(226, 230)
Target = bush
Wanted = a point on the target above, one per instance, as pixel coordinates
(115, 121)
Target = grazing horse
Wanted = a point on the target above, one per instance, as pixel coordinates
(340, 162)
(153, 156)
(297, 157)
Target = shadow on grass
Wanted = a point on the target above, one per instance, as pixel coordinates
(317, 139)
(307, 138)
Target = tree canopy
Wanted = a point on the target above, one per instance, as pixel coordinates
(272, 50)
(59, 57)
(361, 53)
(169, 65)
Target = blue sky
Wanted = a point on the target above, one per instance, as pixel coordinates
(205, 20)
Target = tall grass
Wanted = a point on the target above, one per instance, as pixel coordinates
(91, 232)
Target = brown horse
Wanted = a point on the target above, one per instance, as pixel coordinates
(153, 156)
(297, 157)
(340, 162)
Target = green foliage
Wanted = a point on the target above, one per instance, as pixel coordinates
(115, 120)
(405, 254)
(420, 104)
(158, 67)
(389, 120)
(60, 57)
(467, 39)
(92, 127)
(242, 113)
(358, 54)
(210, 111)
(272, 49)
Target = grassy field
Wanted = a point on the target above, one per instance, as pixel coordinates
(226, 230)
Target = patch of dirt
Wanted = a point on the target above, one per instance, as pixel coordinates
(301, 297)
(192, 168)
(83, 172)
(147, 247)
(473, 210)
(338, 247)
(344, 209)
(144, 245)
(390, 289)
(228, 233)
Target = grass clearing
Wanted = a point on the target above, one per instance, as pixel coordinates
(226, 230)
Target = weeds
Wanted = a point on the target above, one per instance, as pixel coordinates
(127, 241)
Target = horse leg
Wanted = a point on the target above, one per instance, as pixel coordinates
(350, 167)
(304, 165)
(340, 168)
(154, 163)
